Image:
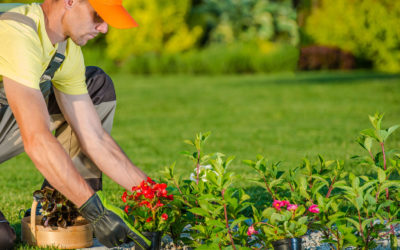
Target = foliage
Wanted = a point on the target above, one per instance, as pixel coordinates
(213, 209)
(282, 221)
(367, 28)
(248, 20)
(213, 60)
(162, 29)
(57, 210)
(150, 206)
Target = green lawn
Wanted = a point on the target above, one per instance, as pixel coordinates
(284, 117)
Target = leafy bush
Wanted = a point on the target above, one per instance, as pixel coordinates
(349, 210)
(218, 59)
(247, 20)
(367, 28)
(162, 28)
(323, 57)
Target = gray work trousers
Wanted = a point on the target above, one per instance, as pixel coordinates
(102, 93)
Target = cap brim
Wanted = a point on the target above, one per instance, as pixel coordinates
(114, 15)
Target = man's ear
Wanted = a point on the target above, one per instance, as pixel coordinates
(70, 3)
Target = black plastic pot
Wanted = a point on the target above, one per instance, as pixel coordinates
(287, 244)
(155, 238)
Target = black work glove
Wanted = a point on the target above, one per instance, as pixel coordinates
(110, 224)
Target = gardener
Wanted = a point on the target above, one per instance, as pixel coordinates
(45, 87)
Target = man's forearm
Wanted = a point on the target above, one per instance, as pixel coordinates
(56, 166)
(112, 161)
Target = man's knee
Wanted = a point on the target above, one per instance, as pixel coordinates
(7, 234)
(99, 85)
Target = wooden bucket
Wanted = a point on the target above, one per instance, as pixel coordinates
(78, 236)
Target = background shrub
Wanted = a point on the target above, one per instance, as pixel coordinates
(215, 59)
(367, 28)
(162, 29)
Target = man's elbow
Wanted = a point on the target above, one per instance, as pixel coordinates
(37, 144)
(91, 142)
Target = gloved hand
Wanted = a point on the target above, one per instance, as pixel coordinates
(110, 224)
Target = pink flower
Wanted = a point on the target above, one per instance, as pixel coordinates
(277, 205)
(292, 207)
(251, 231)
(164, 216)
(313, 209)
(284, 203)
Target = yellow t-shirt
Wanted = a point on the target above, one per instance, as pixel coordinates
(25, 54)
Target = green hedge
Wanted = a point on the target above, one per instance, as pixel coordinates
(216, 59)
(367, 28)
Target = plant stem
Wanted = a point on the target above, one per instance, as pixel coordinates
(291, 187)
(361, 229)
(330, 188)
(384, 167)
(266, 184)
(180, 191)
(372, 156)
(384, 155)
(198, 166)
(226, 219)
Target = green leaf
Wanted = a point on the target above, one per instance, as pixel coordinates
(392, 129)
(356, 182)
(275, 217)
(301, 231)
(365, 222)
(267, 213)
(216, 223)
(354, 223)
(237, 221)
(189, 142)
(199, 211)
(381, 175)
(370, 133)
(302, 220)
(393, 241)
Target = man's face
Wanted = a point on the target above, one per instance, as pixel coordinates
(82, 23)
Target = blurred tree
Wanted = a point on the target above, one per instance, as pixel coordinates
(367, 28)
(228, 21)
(162, 29)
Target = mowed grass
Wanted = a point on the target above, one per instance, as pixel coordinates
(283, 117)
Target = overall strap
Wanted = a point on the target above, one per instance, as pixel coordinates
(55, 62)
(19, 18)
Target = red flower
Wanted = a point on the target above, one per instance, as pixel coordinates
(144, 203)
(149, 219)
(124, 197)
(164, 216)
(149, 180)
(159, 204)
(126, 208)
(170, 197)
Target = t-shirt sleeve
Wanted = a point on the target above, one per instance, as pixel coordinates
(20, 54)
(70, 77)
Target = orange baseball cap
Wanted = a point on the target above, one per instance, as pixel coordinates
(113, 13)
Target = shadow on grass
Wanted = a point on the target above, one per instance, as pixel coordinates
(323, 77)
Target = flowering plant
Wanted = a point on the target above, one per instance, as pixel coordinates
(283, 220)
(150, 206)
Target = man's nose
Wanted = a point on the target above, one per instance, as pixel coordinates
(102, 27)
